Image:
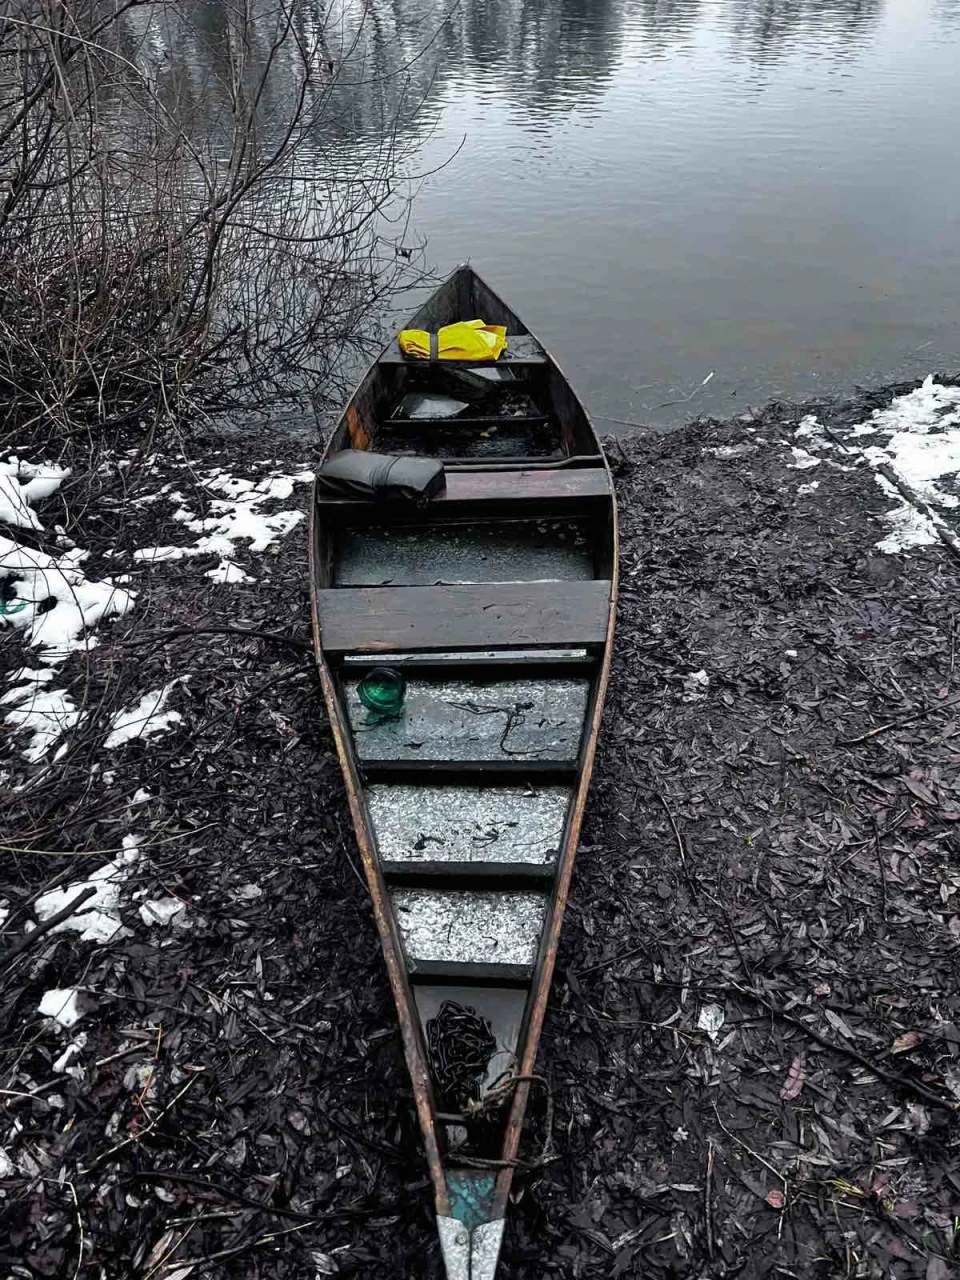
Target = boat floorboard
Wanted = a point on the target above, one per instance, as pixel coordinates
(453, 720)
(449, 439)
(469, 927)
(467, 826)
(508, 551)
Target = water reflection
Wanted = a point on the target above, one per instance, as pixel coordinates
(685, 185)
(833, 28)
(391, 62)
(666, 23)
(551, 57)
(948, 12)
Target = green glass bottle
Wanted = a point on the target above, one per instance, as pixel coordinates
(382, 691)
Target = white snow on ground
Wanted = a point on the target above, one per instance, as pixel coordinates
(22, 484)
(811, 430)
(63, 1004)
(918, 435)
(97, 919)
(60, 602)
(55, 605)
(234, 518)
(923, 439)
(51, 600)
(46, 714)
(144, 720)
(802, 460)
(161, 911)
(226, 571)
(695, 686)
(7, 1167)
(64, 1064)
(908, 526)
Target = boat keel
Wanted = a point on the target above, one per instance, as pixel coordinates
(470, 1255)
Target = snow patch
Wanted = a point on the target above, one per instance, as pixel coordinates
(908, 526)
(726, 451)
(64, 1064)
(226, 571)
(60, 601)
(805, 489)
(46, 714)
(161, 911)
(62, 1004)
(24, 483)
(918, 436)
(802, 460)
(237, 517)
(145, 720)
(695, 686)
(811, 431)
(98, 919)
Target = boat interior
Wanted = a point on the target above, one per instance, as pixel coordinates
(493, 602)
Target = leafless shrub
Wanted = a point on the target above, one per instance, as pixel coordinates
(152, 258)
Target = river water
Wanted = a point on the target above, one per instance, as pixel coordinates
(699, 205)
(767, 191)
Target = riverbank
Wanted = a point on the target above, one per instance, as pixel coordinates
(754, 1039)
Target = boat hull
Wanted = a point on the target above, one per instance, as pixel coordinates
(493, 607)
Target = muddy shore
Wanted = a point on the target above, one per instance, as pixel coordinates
(753, 1045)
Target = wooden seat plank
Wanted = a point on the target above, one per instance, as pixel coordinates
(464, 616)
(522, 348)
(488, 492)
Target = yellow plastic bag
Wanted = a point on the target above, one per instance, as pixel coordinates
(465, 340)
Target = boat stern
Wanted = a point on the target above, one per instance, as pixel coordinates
(470, 1255)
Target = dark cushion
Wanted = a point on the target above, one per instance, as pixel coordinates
(355, 473)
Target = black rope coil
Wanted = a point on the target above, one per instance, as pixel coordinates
(460, 1044)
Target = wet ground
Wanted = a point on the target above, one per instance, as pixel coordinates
(753, 1045)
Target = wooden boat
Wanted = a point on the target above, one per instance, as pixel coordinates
(495, 602)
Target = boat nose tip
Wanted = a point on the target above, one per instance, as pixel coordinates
(470, 1255)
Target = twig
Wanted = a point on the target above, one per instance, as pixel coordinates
(142, 1047)
(708, 1199)
(135, 1137)
(605, 964)
(36, 934)
(944, 532)
(76, 1207)
(883, 873)
(733, 934)
(695, 888)
(226, 1193)
(895, 724)
(302, 645)
(891, 1077)
(750, 1151)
